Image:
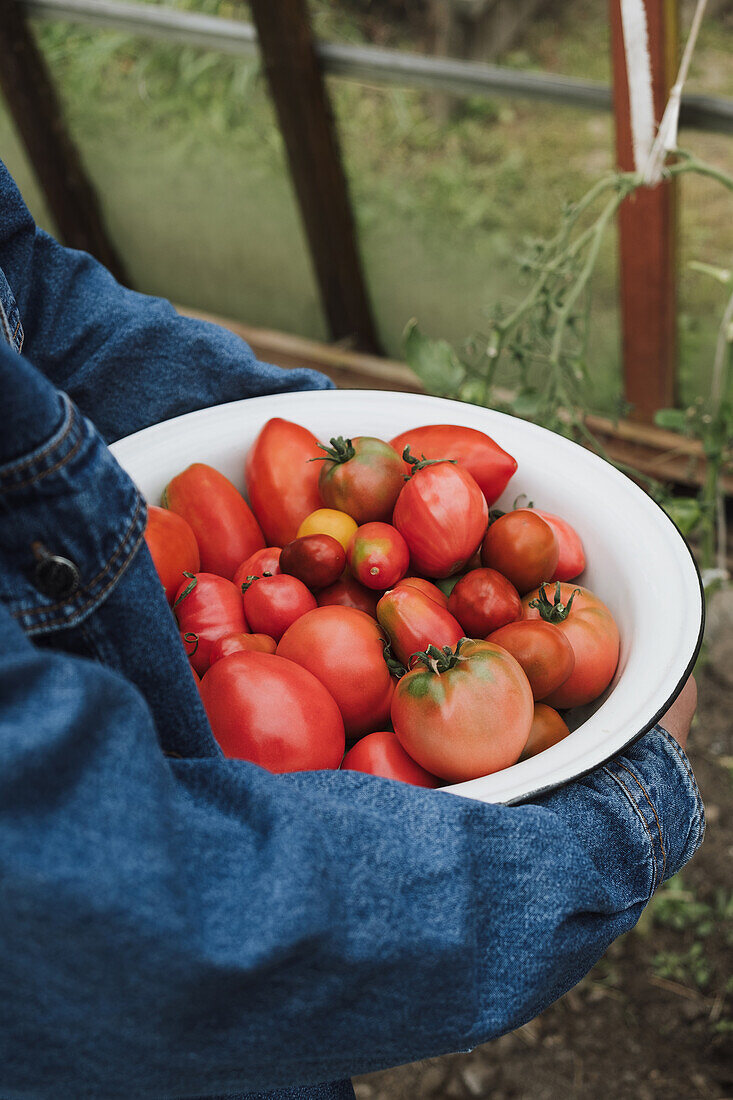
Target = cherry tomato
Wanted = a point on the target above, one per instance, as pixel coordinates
(316, 560)
(347, 592)
(591, 630)
(547, 729)
(272, 604)
(378, 555)
(362, 477)
(482, 601)
(344, 649)
(282, 482)
(207, 607)
(414, 621)
(326, 521)
(427, 588)
(521, 546)
(272, 712)
(489, 465)
(381, 753)
(241, 643)
(464, 714)
(571, 559)
(225, 529)
(173, 548)
(441, 513)
(542, 650)
(262, 561)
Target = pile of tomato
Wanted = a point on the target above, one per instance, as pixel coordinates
(368, 609)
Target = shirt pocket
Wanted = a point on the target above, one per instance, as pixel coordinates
(10, 327)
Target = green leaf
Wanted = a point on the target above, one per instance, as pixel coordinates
(685, 512)
(433, 361)
(674, 419)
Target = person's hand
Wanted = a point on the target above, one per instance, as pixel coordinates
(679, 717)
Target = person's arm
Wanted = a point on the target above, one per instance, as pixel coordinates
(188, 927)
(126, 359)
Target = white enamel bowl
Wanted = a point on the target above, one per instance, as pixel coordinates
(638, 563)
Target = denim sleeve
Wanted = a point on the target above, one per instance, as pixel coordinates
(189, 927)
(127, 360)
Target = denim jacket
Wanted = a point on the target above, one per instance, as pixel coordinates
(175, 924)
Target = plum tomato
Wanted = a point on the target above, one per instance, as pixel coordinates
(464, 713)
(316, 560)
(547, 729)
(207, 607)
(241, 643)
(272, 604)
(262, 561)
(427, 588)
(362, 477)
(173, 548)
(378, 555)
(226, 530)
(380, 753)
(591, 630)
(344, 649)
(347, 592)
(414, 621)
(272, 712)
(489, 465)
(523, 547)
(282, 482)
(542, 650)
(571, 555)
(328, 521)
(482, 601)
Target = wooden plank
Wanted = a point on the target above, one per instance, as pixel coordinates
(32, 100)
(306, 123)
(647, 231)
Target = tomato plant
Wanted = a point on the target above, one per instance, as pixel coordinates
(282, 482)
(542, 650)
(272, 604)
(380, 753)
(241, 643)
(173, 548)
(414, 621)
(378, 555)
(523, 547)
(362, 477)
(490, 466)
(482, 601)
(207, 607)
(547, 729)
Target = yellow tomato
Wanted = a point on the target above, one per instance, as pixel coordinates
(327, 521)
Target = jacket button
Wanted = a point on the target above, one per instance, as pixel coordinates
(56, 576)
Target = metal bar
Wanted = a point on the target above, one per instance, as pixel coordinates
(368, 64)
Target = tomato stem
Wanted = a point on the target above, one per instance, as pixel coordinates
(396, 668)
(191, 639)
(341, 450)
(439, 660)
(420, 463)
(556, 612)
(188, 589)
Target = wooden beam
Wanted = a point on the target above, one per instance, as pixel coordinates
(306, 122)
(647, 231)
(32, 100)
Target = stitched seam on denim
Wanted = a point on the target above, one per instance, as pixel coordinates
(698, 798)
(643, 820)
(651, 807)
(39, 476)
(5, 323)
(56, 440)
(18, 343)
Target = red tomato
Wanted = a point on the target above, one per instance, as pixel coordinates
(489, 465)
(241, 643)
(414, 621)
(273, 712)
(173, 548)
(381, 754)
(378, 555)
(316, 560)
(347, 592)
(427, 588)
(282, 482)
(542, 650)
(207, 607)
(362, 477)
(547, 729)
(571, 559)
(344, 649)
(464, 714)
(482, 601)
(521, 546)
(225, 529)
(262, 561)
(442, 515)
(589, 626)
(272, 604)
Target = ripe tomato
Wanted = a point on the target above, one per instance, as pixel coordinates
(241, 643)
(362, 477)
(441, 513)
(489, 465)
(589, 626)
(316, 560)
(272, 604)
(427, 588)
(346, 592)
(414, 621)
(547, 729)
(465, 713)
(262, 561)
(521, 546)
(378, 555)
(381, 753)
(571, 559)
(344, 649)
(225, 529)
(482, 601)
(207, 607)
(173, 548)
(542, 650)
(273, 712)
(282, 482)
(327, 521)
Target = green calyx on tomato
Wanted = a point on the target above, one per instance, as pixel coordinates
(439, 660)
(341, 450)
(252, 579)
(396, 668)
(187, 590)
(420, 463)
(556, 612)
(191, 639)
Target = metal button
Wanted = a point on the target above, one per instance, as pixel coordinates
(56, 576)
